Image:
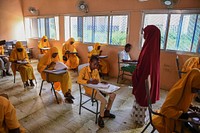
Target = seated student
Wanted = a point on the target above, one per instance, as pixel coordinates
(4, 63)
(90, 75)
(177, 103)
(25, 70)
(8, 118)
(104, 66)
(44, 43)
(47, 62)
(71, 60)
(125, 57)
(192, 62)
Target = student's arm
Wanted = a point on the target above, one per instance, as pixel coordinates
(81, 79)
(10, 117)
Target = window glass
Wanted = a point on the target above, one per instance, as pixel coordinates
(159, 20)
(74, 28)
(103, 29)
(118, 30)
(173, 32)
(100, 29)
(88, 28)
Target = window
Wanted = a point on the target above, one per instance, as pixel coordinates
(103, 29)
(179, 31)
(38, 27)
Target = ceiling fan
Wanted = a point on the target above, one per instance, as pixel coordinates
(33, 11)
(169, 3)
(82, 6)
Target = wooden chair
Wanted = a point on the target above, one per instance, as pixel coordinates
(90, 98)
(121, 72)
(178, 67)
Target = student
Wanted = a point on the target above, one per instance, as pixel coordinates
(71, 60)
(192, 62)
(44, 43)
(25, 70)
(104, 66)
(177, 103)
(148, 64)
(48, 62)
(8, 119)
(90, 75)
(125, 57)
(4, 63)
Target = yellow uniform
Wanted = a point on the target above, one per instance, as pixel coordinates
(43, 44)
(25, 70)
(177, 102)
(72, 59)
(63, 79)
(85, 75)
(8, 118)
(192, 62)
(104, 66)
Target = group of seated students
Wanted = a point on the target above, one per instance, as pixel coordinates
(90, 75)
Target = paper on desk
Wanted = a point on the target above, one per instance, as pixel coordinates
(60, 66)
(107, 88)
(22, 62)
(110, 89)
(56, 71)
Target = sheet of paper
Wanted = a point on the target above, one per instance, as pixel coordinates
(110, 89)
(22, 62)
(60, 66)
(56, 71)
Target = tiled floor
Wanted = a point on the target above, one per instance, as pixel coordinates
(43, 115)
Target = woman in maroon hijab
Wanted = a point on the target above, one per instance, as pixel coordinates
(148, 64)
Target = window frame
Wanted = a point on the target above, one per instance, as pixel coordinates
(169, 13)
(47, 29)
(99, 15)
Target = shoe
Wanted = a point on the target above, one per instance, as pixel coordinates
(197, 99)
(31, 82)
(69, 95)
(69, 100)
(100, 122)
(26, 83)
(4, 73)
(107, 114)
(8, 74)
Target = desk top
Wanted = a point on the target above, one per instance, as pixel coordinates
(57, 72)
(107, 88)
(2, 56)
(45, 48)
(103, 56)
(21, 62)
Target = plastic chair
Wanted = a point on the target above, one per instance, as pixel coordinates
(90, 98)
(178, 67)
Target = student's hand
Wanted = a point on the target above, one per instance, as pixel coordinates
(51, 66)
(93, 81)
(103, 82)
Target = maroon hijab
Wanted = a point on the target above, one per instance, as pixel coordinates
(148, 64)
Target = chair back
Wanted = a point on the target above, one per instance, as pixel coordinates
(90, 48)
(82, 66)
(178, 66)
(151, 112)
